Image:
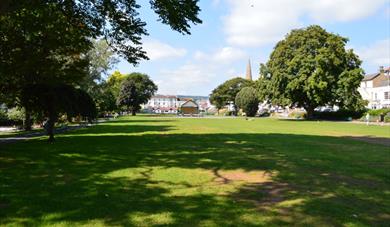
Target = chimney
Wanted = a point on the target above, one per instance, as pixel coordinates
(381, 69)
(249, 71)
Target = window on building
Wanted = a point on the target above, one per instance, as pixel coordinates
(387, 95)
(376, 96)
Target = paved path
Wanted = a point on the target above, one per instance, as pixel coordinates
(27, 136)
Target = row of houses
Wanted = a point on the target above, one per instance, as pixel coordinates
(172, 104)
(375, 88)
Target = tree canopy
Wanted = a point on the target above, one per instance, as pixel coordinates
(136, 89)
(117, 21)
(311, 67)
(226, 93)
(47, 41)
(50, 100)
(247, 100)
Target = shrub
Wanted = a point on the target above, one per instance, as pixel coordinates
(378, 112)
(16, 115)
(387, 119)
(340, 115)
(247, 100)
(297, 115)
(3, 117)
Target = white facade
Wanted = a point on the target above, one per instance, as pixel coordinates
(170, 104)
(377, 94)
(377, 97)
(162, 104)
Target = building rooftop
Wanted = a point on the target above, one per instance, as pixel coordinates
(370, 76)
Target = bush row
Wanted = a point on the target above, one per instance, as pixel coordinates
(11, 117)
(341, 115)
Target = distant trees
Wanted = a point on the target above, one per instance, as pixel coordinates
(136, 89)
(226, 93)
(247, 100)
(309, 68)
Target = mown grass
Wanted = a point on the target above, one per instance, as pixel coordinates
(145, 171)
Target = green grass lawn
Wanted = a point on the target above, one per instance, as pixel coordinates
(146, 171)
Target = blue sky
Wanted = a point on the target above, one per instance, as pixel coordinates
(234, 31)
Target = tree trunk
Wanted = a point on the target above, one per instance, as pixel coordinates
(309, 112)
(27, 120)
(50, 128)
(133, 112)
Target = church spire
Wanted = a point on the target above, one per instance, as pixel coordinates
(249, 70)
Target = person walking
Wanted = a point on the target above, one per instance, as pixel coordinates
(368, 118)
(382, 118)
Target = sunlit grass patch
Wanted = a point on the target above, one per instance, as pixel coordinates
(150, 171)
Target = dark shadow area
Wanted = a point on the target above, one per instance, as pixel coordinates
(370, 139)
(122, 129)
(317, 180)
(155, 120)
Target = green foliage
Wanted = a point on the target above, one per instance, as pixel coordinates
(226, 93)
(104, 98)
(16, 114)
(4, 120)
(101, 59)
(247, 100)
(39, 45)
(297, 115)
(387, 119)
(177, 14)
(114, 82)
(50, 41)
(116, 20)
(342, 115)
(136, 89)
(50, 100)
(312, 68)
(378, 112)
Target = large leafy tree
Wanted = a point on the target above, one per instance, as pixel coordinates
(47, 40)
(117, 21)
(114, 82)
(247, 100)
(136, 89)
(51, 100)
(101, 59)
(38, 45)
(226, 93)
(312, 67)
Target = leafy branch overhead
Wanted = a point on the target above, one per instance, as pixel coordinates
(118, 21)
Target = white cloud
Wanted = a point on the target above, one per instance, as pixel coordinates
(342, 10)
(199, 76)
(157, 50)
(187, 79)
(260, 22)
(224, 55)
(376, 54)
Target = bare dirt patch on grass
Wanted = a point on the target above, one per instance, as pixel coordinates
(229, 176)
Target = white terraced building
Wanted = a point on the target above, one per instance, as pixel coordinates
(375, 88)
(170, 104)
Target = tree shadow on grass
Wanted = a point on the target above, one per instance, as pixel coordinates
(132, 121)
(130, 180)
(106, 129)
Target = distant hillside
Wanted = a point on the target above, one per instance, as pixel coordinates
(194, 97)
